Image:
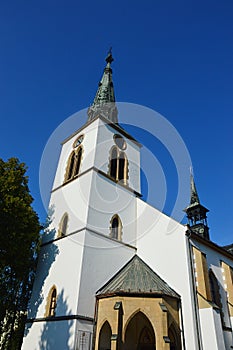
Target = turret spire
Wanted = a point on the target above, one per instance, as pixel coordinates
(194, 199)
(104, 101)
(196, 213)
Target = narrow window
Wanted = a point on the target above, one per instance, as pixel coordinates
(71, 166)
(78, 161)
(123, 167)
(74, 163)
(52, 302)
(113, 163)
(118, 165)
(116, 228)
(63, 225)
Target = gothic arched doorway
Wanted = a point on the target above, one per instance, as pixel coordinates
(139, 334)
(105, 337)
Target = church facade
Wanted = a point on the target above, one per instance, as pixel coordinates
(114, 272)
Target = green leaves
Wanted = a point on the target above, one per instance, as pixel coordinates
(19, 242)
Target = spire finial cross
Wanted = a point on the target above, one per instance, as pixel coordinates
(109, 57)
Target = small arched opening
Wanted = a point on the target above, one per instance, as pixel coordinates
(116, 228)
(139, 334)
(63, 225)
(105, 337)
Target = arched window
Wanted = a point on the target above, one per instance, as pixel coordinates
(51, 303)
(123, 164)
(118, 165)
(70, 166)
(63, 225)
(116, 228)
(78, 161)
(113, 163)
(74, 163)
(105, 337)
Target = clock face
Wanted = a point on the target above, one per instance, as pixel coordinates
(201, 230)
(78, 141)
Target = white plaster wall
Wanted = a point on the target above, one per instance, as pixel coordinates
(212, 337)
(65, 274)
(107, 199)
(102, 258)
(105, 142)
(73, 199)
(162, 244)
(89, 144)
(214, 259)
(63, 271)
(56, 335)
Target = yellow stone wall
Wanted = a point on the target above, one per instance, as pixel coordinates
(202, 278)
(150, 307)
(228, 283)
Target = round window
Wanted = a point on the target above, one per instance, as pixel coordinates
(78, 141)
(120, 141)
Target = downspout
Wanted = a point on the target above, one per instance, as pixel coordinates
(193, 290)
(182, 325)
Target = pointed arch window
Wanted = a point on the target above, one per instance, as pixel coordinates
(118, 165)
(74, 163)
(116, 228)
(63, 225)
(52, 302)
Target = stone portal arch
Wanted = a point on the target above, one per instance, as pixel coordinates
(174, 338)
(139, 334)
(105, 337)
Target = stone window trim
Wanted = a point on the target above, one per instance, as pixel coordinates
(51, 302)
(63, 224)
(116, 227)
(118, 165)
(74, 164)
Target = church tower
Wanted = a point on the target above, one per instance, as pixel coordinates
(196, 213)
(92, 232)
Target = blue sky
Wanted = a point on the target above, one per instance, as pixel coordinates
(172, 56)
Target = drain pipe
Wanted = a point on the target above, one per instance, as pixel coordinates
(193, 289)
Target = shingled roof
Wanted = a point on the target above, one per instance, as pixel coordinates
(136, 277)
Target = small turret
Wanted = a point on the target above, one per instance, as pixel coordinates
(196, 213)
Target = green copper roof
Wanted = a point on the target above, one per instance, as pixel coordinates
(137, 277)
(104, 101)
(194, 198)
(194, 195)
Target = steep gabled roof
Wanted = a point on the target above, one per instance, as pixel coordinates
(137, 277)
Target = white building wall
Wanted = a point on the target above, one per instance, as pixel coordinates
(162, 244)
(60, 264)
(54, 335)
(73, 199)
(212, 336)
(214, 259)
(107, 199)
(102, 258)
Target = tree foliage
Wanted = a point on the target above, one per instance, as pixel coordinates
(19, 242)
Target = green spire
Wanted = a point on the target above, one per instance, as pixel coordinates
(194, 199)
(104, 101)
